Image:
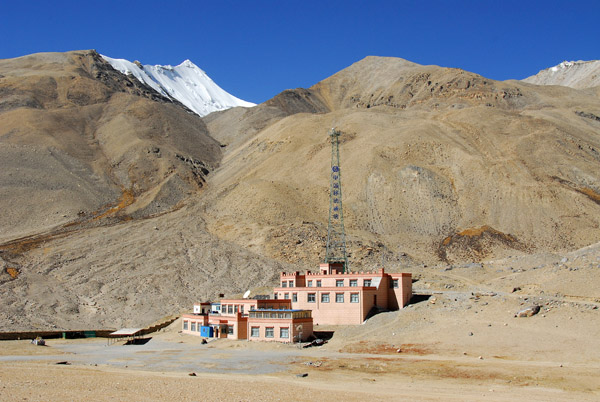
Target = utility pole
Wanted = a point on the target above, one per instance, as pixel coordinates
(336, 236)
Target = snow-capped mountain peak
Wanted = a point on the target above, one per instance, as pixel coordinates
(564, 64)
(188, 63)
(574, 74)
(186, 83)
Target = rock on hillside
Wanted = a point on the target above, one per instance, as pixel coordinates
(574, 74)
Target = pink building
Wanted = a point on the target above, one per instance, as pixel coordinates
(252, 319)
(339, 298)
(327, 297)
(192, 323)
(280, 325)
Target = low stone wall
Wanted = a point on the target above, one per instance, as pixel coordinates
(100, 333)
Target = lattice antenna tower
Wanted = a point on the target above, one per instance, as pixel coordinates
(336, 236)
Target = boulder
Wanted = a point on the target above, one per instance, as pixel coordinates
(528, 312)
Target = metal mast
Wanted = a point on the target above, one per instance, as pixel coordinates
(336, 236)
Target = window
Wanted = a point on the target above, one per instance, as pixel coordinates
(291, 284)
(255, 332)
(353, 297)
(235, 308)
(395, 283)
(318, 284)
(286, 296)
(185, 325)
(230, 330)
(311, 298)
(284, 333)
(294, 297)
(269, 332)
(284, 284)
(230, 309)
(324, 297)
(199, 327)
(242, 308)
(354, 282)
(339, 297)
(309, 284)
(193, 327)
(366, 282)
(339, 283)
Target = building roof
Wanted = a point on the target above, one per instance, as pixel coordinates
(126, 332)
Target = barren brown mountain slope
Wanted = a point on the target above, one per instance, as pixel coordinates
(77, 137)
(439, 166)
(438, 163)
(95, 172)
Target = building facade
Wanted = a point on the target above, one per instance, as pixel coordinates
(329, 297)
(338, 298)
(252, 319)
(280, 325)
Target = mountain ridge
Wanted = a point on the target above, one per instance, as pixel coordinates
(575, 74)
(440, 167)
(185, 82)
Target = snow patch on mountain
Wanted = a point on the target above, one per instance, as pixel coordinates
(574, 74)
(186, 83)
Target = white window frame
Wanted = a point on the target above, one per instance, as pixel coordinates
(287, 332)
(324, 297)
(354, 298)
(253, 334)
(270, 332)
(338, 296)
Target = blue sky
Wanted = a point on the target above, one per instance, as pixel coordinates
(256, 49)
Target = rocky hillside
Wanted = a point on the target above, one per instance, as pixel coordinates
(96, 171)
(438, 164)
(124, 207)
(80, 141)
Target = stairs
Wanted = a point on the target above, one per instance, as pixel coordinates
(163, 322)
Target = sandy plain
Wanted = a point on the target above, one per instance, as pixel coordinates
(373, 373)
(461, 343)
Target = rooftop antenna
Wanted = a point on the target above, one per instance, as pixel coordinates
(336, 236)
